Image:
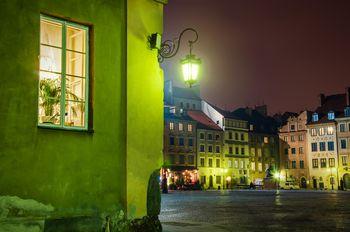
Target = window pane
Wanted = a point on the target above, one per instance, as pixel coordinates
(76, 39)
(75, 88)
(50, 33)
(50, 59)
(74, 115)
(75, 64)
(49, 99)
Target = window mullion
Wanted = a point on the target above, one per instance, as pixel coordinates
(63, 78)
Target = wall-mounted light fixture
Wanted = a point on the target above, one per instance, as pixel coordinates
(169, 48)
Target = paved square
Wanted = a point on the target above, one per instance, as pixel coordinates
(253, 210)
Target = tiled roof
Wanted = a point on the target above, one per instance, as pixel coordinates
(203, 121)
(336, 102)
(180, 117)
(225, 113)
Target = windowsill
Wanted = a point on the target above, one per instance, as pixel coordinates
(66, 129)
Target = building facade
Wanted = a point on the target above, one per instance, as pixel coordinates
(343, 134)
(294, 164)
(180, 147)
(77, 141)
(209, 151)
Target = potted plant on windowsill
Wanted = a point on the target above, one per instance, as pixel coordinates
(50, 96)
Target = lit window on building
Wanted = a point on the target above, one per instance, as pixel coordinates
(201, 148)
(301, 164)
(321, 131)
(63, 76)
(285, 139)
(315, 117)
(181, 126)
(331, 162)
(260, 167)
(301, 137)
(331, 146)
(189, 127)
(252, 151)
(210, 148)
(313, 147)
(347, 112)
(229, 163)
(252, 165)
(343, 143)
(242, 164)
(323, 162)
(344, 160)
(292, 138)
(313, 132)
(259, 152)
(330, 130)
(301, 150)
(217, 149)
(236, 163)
(218, 163)
(266, 139)
(202, 160)
(210, 162)
(171, 125)
(322, 146)
(331, 115)
(315, 163)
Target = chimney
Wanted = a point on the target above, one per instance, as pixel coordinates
(348, 96)
(322, 99)
(262, 109)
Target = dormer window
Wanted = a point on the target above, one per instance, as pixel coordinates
(347, 112)
(315, 117)
(331, 115)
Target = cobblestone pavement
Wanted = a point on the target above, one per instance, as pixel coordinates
(256, 210)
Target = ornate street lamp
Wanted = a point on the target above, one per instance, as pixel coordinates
(169, 48)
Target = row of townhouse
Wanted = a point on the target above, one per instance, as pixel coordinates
(215, 147)
(314, 146)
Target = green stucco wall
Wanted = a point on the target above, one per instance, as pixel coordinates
(144, 102)
(77, 172)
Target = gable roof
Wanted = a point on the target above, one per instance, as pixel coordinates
(203, 121)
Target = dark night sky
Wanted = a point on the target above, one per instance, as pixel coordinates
(280, 52)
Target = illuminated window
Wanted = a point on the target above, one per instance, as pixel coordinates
(63, 76)
(252, 165)
(171, 125)
(330, 130)
(347, 112)
(181, 127)
(229, 163)
(315, 163)
(301, 137)
(322, 132)
(285, 139)
(315, 117)
(260, 167)
(344, 160)
(323, 162)
(301, 150)
(236, 163)
(331, 162)
(189, 127)
(313, 132)
(331, 115)
(266, 139)
(292, 138)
